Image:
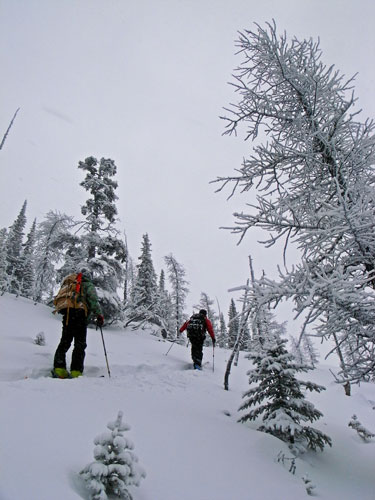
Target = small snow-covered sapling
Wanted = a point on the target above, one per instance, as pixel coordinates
(40, 339)
(115, 467)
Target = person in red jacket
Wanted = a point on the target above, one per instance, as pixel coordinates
(196, 328)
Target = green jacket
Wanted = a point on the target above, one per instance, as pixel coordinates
(90, 297)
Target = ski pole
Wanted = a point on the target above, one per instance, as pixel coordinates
(173, 341)
(213, 358)
(105, 351)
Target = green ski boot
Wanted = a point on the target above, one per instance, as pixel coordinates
(60, 373)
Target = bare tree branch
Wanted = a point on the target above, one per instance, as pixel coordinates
(8, 129)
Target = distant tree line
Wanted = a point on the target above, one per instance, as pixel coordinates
(131, 292)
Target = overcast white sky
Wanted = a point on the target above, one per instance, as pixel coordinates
(144, 82)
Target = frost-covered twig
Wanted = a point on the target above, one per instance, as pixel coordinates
(364, 433)
(283, 459)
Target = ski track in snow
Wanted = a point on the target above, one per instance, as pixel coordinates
(183, 424)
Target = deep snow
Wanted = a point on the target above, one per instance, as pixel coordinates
(183, 424)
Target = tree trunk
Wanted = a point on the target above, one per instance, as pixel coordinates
(347, 386)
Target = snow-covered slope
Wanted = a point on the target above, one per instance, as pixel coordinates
(183, 424)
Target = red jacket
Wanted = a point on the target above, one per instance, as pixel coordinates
(208, 327)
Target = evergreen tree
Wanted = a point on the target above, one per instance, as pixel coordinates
(222, 336)
(14, 250)
(161, 286)
(262, 319)
(267, 328)
(3, 262)
(144, 304)
(245, 341)
(115, 467)
(128, 273)
(297, 351)
(311, 354)
(98, 246)
(146, 277)
(100, 210)
(278, 397)
(207, 303)
(233, 324)
(242, 330)
(176, 275)
(165, 308)
(27, 264)
(129, 284)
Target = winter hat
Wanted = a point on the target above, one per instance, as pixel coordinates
(203, 312)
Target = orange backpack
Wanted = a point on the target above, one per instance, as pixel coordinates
(69, 295)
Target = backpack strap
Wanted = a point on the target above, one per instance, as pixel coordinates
(79, 282)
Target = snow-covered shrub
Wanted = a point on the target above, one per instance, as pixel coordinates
(364, 433)
(278, 396)
(115, 467)
(309, 485)
(40, 339)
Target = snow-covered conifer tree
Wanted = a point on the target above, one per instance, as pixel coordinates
(128, 273)
(233, 324)
(315, 185)
(52, 239)
(278, 398)
(27, 265)
(296, 350)
(176, 275)
(242, 331)
(14, 251)
(106, 251)
(3, 262)
(165, 309)
(146, 283)
(115, 467)
(266, 328)
(129, 284)
(144, 303)
(311, 353)
(97, 244)
(222, 334)
(208, 304)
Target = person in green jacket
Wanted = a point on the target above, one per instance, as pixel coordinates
(74, 327)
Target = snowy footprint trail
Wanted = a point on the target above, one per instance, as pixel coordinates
(183, 424)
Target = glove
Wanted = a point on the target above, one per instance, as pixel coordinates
(214, 342)
(100, 320)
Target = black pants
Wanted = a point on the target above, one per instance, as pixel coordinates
(197, 351)
(76, 330)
